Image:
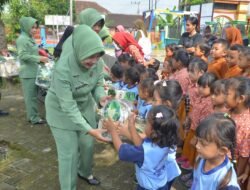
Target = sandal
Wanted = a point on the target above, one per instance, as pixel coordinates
(181, 160)
(186, 166)
(186, 177)
(189, 183)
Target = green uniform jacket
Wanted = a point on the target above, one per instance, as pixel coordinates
(70, 102)
(27, 49)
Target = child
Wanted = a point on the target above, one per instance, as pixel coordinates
(132, 78)
(238, 102)
(215, 138)
(148, 73)
(201, 108)
(196, 69)
(218, 52)
(154, 156)
(232, 61)
(218, 95)
(117, 76)
(167, 71)
(244, 62)
(180, 63)
(202, 51)
(126, 61)
(146, 93)
(169, 49)
(169, 93)
(155, 64)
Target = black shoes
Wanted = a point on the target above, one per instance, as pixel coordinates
(93, 181)
(3, 113)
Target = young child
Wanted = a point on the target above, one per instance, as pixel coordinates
(202, 51)
(116, 75)
(238, 102)
(131, 80)
(232, 59)
(126, 61)
(154, 156)
(201, 108)
(169, 49)
(218, 95)
(167, 71)
(196, 69)
(215, 139)
(218, 52)
(146, 93)
(148, 73)
(244, 62)
(180, 63)
(155, 64)
(169, 93)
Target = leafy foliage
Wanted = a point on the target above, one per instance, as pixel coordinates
(34, 8)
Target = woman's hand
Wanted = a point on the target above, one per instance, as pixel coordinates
(97, 133)
(104, 100)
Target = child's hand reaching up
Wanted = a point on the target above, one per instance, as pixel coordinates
(123, 131)
(131, 121)
(110, 125)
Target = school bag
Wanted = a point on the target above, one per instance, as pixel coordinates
(145, 43)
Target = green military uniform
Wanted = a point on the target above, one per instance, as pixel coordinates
(70, 106)
(89, 17)
(29, 59)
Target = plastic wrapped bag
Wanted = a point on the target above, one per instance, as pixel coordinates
(9, 67)
(44, 74)
(117, 110)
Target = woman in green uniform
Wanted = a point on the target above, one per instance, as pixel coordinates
(77, 86)
(29, 58)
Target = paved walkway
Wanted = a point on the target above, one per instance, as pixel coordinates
(31, 162)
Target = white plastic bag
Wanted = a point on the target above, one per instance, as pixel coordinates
(9, 67)
(44, 75)
(145, 43)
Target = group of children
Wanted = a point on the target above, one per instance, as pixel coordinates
(197, 105)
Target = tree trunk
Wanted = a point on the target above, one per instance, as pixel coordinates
(3, 43)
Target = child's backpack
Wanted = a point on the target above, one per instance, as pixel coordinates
(145, 43)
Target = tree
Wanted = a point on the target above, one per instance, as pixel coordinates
(34, 8)
(3, 43)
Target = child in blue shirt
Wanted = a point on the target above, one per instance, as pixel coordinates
(116, 74)
(215, 139)
(131, 80)
(146, 93)
(154, 156)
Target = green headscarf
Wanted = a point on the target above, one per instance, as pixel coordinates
(104, 33)
(90, 17)
(85, 47)
(26, 24)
